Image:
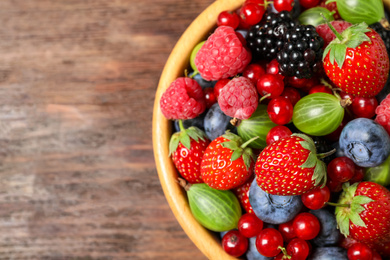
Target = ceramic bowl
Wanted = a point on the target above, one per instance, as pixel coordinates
(208, 242)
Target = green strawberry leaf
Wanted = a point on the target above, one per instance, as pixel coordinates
(310, 162)
(236, 154)
(339, 53)
(232, 145)
(361, 200)
(196, 134)
(173, 143)
(343, 223)
(330, 1)
(185, 140)
(232, 137)
(247, 160)
(356, 219)
(319, 174)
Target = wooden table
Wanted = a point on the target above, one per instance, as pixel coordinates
(77, 173)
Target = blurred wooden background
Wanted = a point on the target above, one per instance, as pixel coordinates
(77, 173)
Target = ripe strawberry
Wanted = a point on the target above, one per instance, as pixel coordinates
(242, 193)
(222, 56)
(187, 148)
(227, 163)
(290, 166)
(357, 61)
(363, 212)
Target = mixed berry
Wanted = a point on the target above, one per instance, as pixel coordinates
(282, 130)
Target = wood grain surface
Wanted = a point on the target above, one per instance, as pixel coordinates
(77, 86)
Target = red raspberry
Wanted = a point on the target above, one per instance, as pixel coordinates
(238, 98)
(331, 7)
(183, 99)
(383, 113)
(222, 56)
(326, 33)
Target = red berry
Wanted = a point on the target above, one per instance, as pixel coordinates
(376, 256)
(273, 68)
(306, 226)
(316, 198)
(228, 18)
(234, 243)
(183, 99)
(309, 3)
(298, 249)
(364, 106)
(209, 97)
(250, 225)
(219, 85)
(359, 251)
(238, 98)
(334, 186)
(320, 88)
(383, 114)
(242, 193)
(359, 175)
(222, 55)
(280, 110)
(341, 169)
(287, 231)
(276, 133)
(292, 94)
(251, 13)
(270, 86)
(301, 83)
(253, 72)
(269, 242)
(346, 242)
(283, 5)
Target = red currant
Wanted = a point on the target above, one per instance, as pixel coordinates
(301, 83)
(283, 5)
(287, 231)
(376, 256)
(306, 226)
(334, 186)
(269, 242)
(234, 243)
(253, 72)
(250, 225)
(364, 107)
(273, 68)
(321, 89)
(359, 251)
(309, 3)
(280, 110)
(298, 249)
(276, 133)
(292, 94)
(359, 175)
(270, 86)
(251, 13)
(316, 198)
(209, 96)
(341, 169)
(228, 18)
(219, 85)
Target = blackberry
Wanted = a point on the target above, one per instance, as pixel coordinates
(384, 34)
(323, 146)
(266, 38)
(301, 54)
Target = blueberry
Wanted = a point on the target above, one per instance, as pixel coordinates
(365, 142)
(252, 253)
(202, 82)
(329, 253)
(197, 121)
(273, 209)
(329, 234)
(216, 122)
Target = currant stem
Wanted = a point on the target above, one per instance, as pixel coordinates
(248, 142)
(264, 97)
(332, 28)
(338, 205)
(284, 251)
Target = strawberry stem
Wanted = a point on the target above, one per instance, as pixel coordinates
(332, 28)
(323, 155)
(248, 142)
(181, 126)
(183, 183)
(338, 205)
